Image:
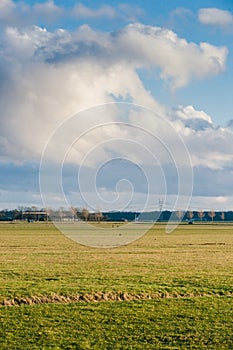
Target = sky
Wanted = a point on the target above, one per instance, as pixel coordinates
(116, 105)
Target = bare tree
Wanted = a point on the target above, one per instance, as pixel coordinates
(98, 216)
(201, 214)
(85, 213)
(222, 215)
(190, 214)
(73, 212)
(212, 214)
(179, 214)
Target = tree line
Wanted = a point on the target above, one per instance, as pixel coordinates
(73, 213)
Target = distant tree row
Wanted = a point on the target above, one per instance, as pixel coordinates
(63, 214)
(179, 215)
(201, 215)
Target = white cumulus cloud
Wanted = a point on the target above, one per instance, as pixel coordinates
(210, 146)
(178, 60)
(48, 76)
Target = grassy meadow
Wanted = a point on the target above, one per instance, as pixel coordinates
(163, 291)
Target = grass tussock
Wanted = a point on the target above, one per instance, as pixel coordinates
(101, 297)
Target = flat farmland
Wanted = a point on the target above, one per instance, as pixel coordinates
(163, 291)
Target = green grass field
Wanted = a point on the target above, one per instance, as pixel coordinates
(163, 291)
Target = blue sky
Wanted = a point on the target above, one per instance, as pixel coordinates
(61, 57)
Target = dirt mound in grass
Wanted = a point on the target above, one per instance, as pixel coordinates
(56, 298)
(98, 297)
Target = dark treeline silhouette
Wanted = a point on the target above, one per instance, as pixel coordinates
(213, 216)
(62, 214)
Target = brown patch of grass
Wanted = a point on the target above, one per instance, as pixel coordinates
(100, 297)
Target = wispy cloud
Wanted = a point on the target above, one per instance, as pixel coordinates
(122, 11)
(21, 13)
(105, 11)
(215, 17)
